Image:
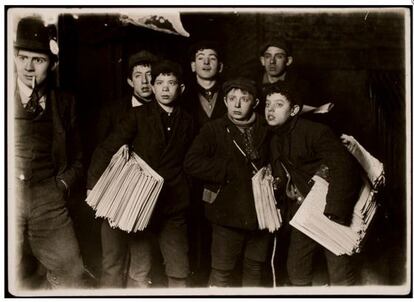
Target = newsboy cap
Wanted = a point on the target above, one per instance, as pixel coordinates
(33, 35)
(141, 57)
(242, 84)
(279, 43)
(166, 67)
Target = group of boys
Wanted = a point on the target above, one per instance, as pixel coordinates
(206, 142)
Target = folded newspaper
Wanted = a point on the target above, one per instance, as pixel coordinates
(268, 215)
(340, 239)
(126, 192)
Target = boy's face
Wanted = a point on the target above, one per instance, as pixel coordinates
(278, 109)
(206, 64)
(275, 60)
(240, 104)
(30, 64)
(166, 89)
(140, 80)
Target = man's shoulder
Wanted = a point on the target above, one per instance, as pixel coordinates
(312, 128)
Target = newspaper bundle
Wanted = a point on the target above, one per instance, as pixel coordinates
(337, 238)
(268, 215)
(126, 192)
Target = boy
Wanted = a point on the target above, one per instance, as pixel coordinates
(299, 148)
(114, 241)
(204, 98)
(160, 133)
(139, 78)
(226, 154)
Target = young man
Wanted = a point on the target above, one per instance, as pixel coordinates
(160, 133)
(204, 101)
(115, 249)
(204, 98)
(139, 79)
(276, 58)
(300, 148)
(48, 158)
(225, 155)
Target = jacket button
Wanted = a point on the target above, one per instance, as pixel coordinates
(22, 177)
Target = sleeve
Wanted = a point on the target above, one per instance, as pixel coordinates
(104, 124)
(203, 160)
(344, 177)
(75, 169)
(123, 133)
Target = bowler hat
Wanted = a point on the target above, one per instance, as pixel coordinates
(32, 34)
(141, 57)
(279, 43)
(240, 83)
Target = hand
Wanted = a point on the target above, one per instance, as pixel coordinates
(125, 152)
(349, 142)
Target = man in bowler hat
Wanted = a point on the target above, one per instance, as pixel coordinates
(48, 160)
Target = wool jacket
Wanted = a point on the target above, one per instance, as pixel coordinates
(66, 141)
(142, 129)
(303, 146)
(214, 159)
(191, 103)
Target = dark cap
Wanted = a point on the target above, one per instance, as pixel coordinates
(166, 67)
(33, 35)
(141, 57)
(242, 84)
(204, 44)
(279, 43)
(285, 89)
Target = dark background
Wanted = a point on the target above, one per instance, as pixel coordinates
(354, 58)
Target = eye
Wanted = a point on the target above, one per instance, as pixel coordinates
(267, 56)
(39, 60)
(232, 98)
(280, 56)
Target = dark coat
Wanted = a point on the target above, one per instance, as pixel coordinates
(142, 129)
(66, 144)
(303, 146)
(112, 114)
(215, 159)
(192, 105)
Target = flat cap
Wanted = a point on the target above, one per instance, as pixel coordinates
(242, 84)
(166, 67)
(141, 57)
(279, 43)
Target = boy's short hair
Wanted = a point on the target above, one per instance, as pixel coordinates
(285, 90)
(277, 42)
(166, 67)
(142, 57)
(205, 44)
(242, 84)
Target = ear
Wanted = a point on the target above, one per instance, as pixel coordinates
(294, 110)
(130, 83)
(257, 101)
(225, 101)
(53, 66)
(289, 61)
(220, 68)
(262, 60)
(182, 88)
(193, 66)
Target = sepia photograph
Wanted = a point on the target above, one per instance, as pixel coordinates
(208, 151)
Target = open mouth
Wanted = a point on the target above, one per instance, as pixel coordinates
(270, 117)
(145, 89)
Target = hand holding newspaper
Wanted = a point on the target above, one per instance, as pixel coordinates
(126, 192)
(339, 239)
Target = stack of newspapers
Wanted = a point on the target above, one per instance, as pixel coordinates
(268, 215)
(337, 238)
(126, 192)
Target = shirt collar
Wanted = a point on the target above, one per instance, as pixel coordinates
(266, 78)
(25, 93)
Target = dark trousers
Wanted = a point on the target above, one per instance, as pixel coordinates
(300, 262)
(43, 220)
(119, 246)
(228, 244)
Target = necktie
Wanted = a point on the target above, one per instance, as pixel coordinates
(33, 105)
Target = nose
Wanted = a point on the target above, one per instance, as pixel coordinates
(237, 103)
(29, 65)
(206, 61)
(145, 79)
(165, 88)
(272, 59)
